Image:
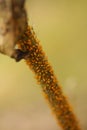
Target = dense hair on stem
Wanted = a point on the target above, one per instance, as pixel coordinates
(38, 62)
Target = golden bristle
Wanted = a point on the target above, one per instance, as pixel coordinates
(38, 62)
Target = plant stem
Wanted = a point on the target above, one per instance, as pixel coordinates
(38, 62)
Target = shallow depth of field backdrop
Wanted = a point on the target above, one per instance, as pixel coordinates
(61, 27)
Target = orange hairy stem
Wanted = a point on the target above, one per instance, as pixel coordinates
(38, 62)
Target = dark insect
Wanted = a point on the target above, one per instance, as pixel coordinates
(13, 20)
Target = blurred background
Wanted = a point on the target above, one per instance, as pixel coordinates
(61, 27)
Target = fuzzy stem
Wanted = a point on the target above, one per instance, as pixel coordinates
(38, 62)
